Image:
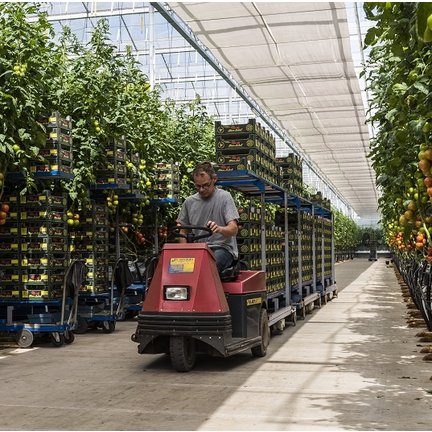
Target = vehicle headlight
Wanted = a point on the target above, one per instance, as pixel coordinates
(176, 293)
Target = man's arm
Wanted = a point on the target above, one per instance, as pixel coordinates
(229, 230)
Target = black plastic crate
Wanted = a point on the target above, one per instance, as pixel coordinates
(251, 127)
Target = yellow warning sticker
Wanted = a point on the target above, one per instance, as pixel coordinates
(181, 265)
(253, 301)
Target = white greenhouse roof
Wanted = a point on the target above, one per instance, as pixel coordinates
(295, 60)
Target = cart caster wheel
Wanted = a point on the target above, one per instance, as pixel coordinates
(330, 296)
(57, 339)
(82, 326)
(69, 337)
(302, 313)
(108, 326)
(310, 308)
(278, 328)
(25, 338)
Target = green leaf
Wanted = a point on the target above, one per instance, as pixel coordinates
(400, 88)
(34, 150)
(391, 114)
(370, 37)
(424, 9)
(422, 87)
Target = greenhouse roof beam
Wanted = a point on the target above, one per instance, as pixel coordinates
(93, 14)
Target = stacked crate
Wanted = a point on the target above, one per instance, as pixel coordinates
(275, 258)
(33, 247)
(306, 246)
(113, 172)
(44, 244)
(246, 146)
(89, 242)
(250, 246)
(58, 151)
(10, 251)
(293, 234)
(326, 203)
(328, 262)
(167, 181)
(292, 173)
(319, 200)
(318, 247)
(249, 237)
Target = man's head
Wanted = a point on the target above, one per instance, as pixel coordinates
(204, 178)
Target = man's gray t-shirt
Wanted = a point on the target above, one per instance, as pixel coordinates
(219, 208)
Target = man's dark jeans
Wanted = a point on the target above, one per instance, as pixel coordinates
(224, 259)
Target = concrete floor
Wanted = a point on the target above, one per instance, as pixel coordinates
(351, 365)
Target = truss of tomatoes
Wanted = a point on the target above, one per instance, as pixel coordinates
(4, 210)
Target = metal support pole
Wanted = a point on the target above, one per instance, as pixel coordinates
(117, 235)
(117, 244)
(322, 254)
(287, 254)
(314, 276)
(263, 233)
(332, 251)
(152, 51)
(299, 251)
(156, 236)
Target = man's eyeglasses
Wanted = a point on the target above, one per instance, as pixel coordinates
(203, 186)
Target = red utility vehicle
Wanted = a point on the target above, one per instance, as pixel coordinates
(189, 307)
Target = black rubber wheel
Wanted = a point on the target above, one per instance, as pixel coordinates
(81, 326)
(182, 353)
(108, 326)
(69, 337)
(57, 339)
(261, 349)
(25, 338)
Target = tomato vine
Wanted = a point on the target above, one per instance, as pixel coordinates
(399, 75)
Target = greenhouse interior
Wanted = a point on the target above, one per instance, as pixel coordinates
(217, 203)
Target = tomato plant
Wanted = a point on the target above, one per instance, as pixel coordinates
(398, 74)
(346, 233)
(26, 71)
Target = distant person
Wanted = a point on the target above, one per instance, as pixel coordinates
(214, 208)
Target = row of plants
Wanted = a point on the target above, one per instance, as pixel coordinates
(347, 236)
(107, 96)
(399, 77)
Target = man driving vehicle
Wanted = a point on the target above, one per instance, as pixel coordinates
(213, 208)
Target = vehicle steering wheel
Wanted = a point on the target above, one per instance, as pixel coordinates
(191, 237)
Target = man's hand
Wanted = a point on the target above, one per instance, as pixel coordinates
(229, 230)
(213, 226)
(181, 231)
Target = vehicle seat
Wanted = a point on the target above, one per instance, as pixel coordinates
(231, 273)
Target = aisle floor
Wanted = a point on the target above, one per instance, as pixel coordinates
(353, 364)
